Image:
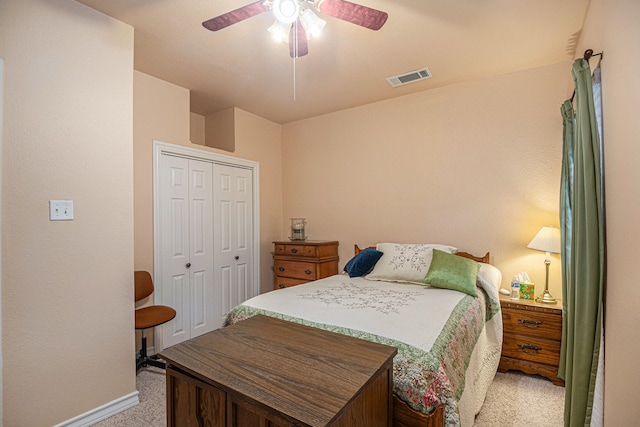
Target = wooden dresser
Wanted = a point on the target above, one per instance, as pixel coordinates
(296, 262)
(271, 373)
(532, 336)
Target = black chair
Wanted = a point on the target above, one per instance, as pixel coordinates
(148, 317)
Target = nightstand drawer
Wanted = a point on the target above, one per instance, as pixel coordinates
(533, 349)
(524, 322)
(285, 282)
(295, 269)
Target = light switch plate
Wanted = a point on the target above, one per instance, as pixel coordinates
(60, 210)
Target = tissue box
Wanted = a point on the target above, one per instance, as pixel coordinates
(527, 291)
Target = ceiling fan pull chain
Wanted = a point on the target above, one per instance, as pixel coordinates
(294, 58)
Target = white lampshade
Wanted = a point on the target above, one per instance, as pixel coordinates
(547, 240)
(312, 23)
(280, 31)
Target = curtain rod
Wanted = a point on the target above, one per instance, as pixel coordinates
(587, 56)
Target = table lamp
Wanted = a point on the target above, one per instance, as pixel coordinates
(547, 240)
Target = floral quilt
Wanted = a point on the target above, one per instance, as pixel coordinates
(434, 330)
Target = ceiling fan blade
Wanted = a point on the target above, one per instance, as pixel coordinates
(351, 12)
(299, 35)
(235, 16)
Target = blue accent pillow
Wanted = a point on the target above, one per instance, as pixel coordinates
(362, 263)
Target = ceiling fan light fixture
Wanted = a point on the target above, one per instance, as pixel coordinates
(280, 31)
(297, 20)
(286, 11)
(312, 23)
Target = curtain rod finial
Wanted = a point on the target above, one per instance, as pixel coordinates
(588, 54)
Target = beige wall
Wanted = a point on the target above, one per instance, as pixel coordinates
(476, 165)
(220, 130)
(196, 132)
(1, 156)
(612, 27)
(67, 287)
(162, 113)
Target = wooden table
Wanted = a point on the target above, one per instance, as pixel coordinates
(270, 373)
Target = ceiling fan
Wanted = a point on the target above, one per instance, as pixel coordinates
(296, 21)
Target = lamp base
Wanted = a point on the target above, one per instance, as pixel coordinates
(546, 298)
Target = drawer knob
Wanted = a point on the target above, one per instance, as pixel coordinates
(281, 268)
(307, 271)
(294, 251)
(281, 286)
(532, 324)
(529, 349)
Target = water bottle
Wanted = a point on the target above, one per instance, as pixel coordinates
(515, 290)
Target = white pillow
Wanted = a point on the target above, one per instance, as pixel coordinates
(489, 278)
(402, 262)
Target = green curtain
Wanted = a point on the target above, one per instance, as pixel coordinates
(583, 263)
(566, 187)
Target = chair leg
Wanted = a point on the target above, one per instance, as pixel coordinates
(143, 360)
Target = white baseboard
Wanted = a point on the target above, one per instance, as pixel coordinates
(105, 411)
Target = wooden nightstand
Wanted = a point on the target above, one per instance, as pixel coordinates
(532, 336)
(295, 262)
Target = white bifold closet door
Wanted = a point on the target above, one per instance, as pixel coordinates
(207, 245)
(187, 256)
(233, 235)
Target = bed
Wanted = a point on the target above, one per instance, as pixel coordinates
(448, 340)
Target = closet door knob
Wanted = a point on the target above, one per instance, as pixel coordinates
(188, 265)
(237, 257)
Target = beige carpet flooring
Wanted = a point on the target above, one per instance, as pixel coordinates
(516, 399)
(513, 399)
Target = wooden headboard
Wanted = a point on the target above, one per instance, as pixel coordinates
(486, 258)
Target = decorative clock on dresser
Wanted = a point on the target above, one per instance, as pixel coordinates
(297, 262)
(532, 337)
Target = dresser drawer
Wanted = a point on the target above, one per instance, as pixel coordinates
(299, 262)
(285, 282)
(297, 250)
(531, 323)
(307, 250)
(532, 349)
(295, 269)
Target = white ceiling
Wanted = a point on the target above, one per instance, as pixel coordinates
(347, 66)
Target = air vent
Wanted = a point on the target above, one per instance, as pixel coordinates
(410, 77)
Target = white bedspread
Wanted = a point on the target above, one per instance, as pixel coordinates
(417, 319)
(386, 309)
